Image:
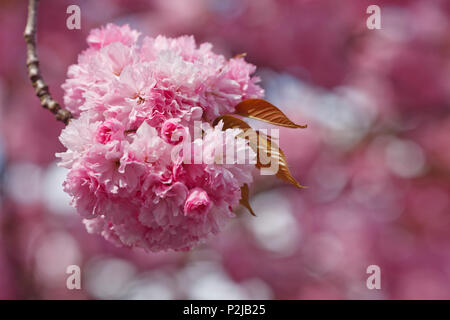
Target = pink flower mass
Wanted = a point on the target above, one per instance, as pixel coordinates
(134, 106)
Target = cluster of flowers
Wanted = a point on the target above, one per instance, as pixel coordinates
(133, 106)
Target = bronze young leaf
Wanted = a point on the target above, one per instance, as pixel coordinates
(264, 147)
(244, 199)
(262, 110)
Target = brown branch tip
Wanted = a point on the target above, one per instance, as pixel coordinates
(34, 72)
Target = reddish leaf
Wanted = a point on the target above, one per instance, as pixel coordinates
(262, 110)
(261, 145)
(244, 199)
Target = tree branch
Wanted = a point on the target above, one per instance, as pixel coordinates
(34, 72)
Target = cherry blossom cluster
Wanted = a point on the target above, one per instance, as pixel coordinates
(135, 105)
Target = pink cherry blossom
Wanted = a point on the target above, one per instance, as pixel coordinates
(99, 38)
(110, 130)
(136, 111)
(197, 203)
(172, 132)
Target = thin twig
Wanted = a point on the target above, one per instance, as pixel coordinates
(34, 73)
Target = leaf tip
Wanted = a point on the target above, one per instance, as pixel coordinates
(244, 199)
(251, 211)
(296, 184)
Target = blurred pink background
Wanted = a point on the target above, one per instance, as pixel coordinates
(375, 156)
